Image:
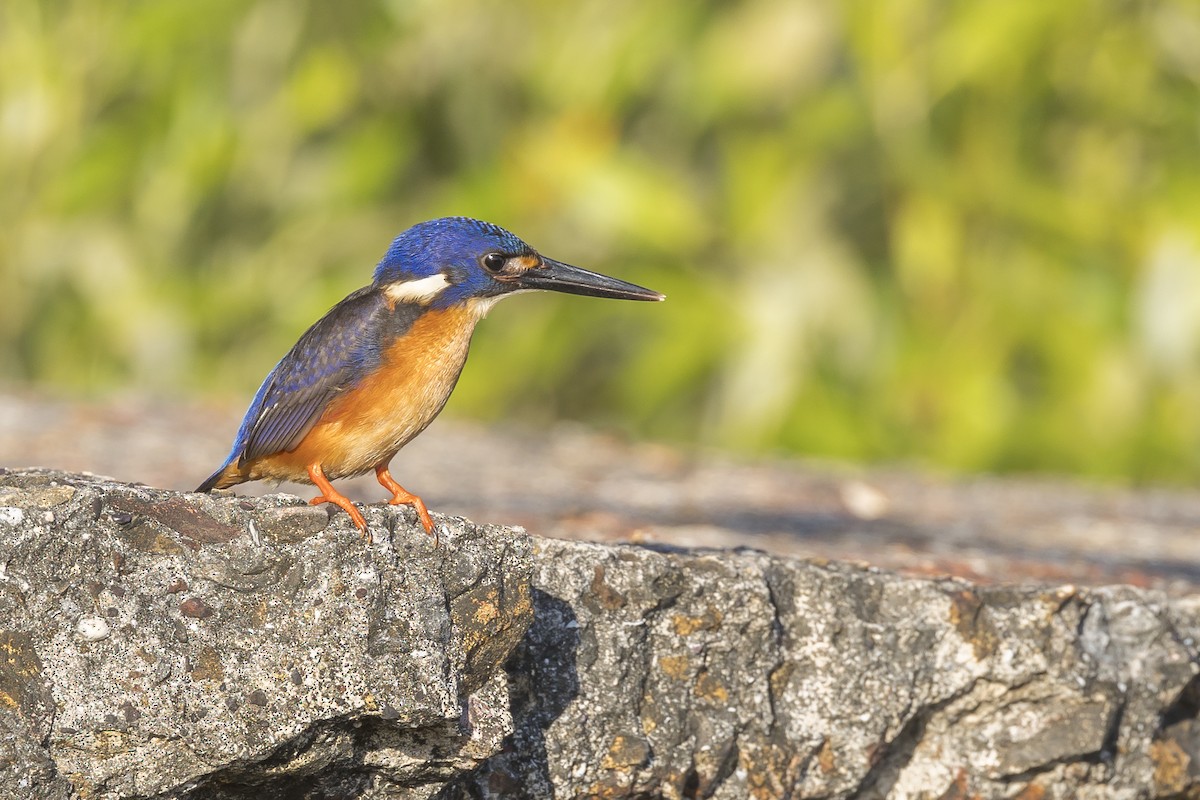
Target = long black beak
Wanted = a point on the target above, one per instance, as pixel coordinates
(556, 276)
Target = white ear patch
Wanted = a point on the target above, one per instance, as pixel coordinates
(420, 290)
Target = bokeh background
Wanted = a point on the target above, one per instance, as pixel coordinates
(957, 233)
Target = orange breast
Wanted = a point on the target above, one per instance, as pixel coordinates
(368, 424)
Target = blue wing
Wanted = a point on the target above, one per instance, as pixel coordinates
(331, 357)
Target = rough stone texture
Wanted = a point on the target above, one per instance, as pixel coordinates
(154, 644)
(740, 675)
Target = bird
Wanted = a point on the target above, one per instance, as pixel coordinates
(375, 371)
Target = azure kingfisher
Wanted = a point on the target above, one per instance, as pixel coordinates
(379, 366)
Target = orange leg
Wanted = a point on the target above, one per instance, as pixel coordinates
(403, 497)
(331, 495)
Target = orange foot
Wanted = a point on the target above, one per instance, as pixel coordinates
(330, 495)
(403, 497)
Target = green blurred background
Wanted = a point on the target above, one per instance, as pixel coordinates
(959, 233)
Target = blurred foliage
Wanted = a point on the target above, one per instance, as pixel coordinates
(962, 232)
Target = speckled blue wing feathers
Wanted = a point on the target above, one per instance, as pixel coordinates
(329, 358)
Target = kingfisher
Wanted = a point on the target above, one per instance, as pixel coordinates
(372, 373)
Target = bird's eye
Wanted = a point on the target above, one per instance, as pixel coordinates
(494, 262)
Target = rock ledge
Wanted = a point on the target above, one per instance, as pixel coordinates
(157, 644)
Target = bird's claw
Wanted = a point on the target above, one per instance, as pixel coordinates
(356, 516)
(403, 497)
(422, 513)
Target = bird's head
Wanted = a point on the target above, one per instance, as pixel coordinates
(461, 261)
